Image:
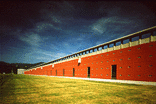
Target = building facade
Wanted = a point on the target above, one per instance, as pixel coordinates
(20, 71)
(132, 57)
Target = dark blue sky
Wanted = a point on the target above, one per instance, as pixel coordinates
(32, 32)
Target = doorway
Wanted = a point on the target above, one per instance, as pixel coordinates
(73, 72)
(63, 72)
(51, 72)
(113, 71)
(88, 69)
(56, 72)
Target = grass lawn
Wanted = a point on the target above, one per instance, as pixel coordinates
(41, 89)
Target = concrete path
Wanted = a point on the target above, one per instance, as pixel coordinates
(109, 80)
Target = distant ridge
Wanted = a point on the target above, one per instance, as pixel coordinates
(8, 67)
(2, 62)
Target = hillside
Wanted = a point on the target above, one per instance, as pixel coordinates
(7, 67)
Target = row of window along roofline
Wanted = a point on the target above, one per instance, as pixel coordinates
(108, 45)
(78, 54)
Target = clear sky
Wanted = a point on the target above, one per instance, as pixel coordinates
(32, 32)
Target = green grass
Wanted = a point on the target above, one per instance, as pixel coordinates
(41, 89)
(4, 78)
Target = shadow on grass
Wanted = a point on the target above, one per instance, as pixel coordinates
(7, 88)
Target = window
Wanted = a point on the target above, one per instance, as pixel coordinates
(125, 41)
(135, 38)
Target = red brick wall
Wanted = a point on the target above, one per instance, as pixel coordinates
(133, 63)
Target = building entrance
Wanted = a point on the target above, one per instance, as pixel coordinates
(113, 71)
(56, 72)
(51, 72)
(63, 72)
(88, 69)
(73, 72)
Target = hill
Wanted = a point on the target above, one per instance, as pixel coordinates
(9, 67)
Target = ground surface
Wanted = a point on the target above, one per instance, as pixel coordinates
(41, 89)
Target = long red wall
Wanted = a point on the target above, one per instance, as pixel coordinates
(133, 63)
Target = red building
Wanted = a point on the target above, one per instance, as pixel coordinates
(132, 57)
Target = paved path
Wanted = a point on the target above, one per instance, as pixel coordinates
(110, 80)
